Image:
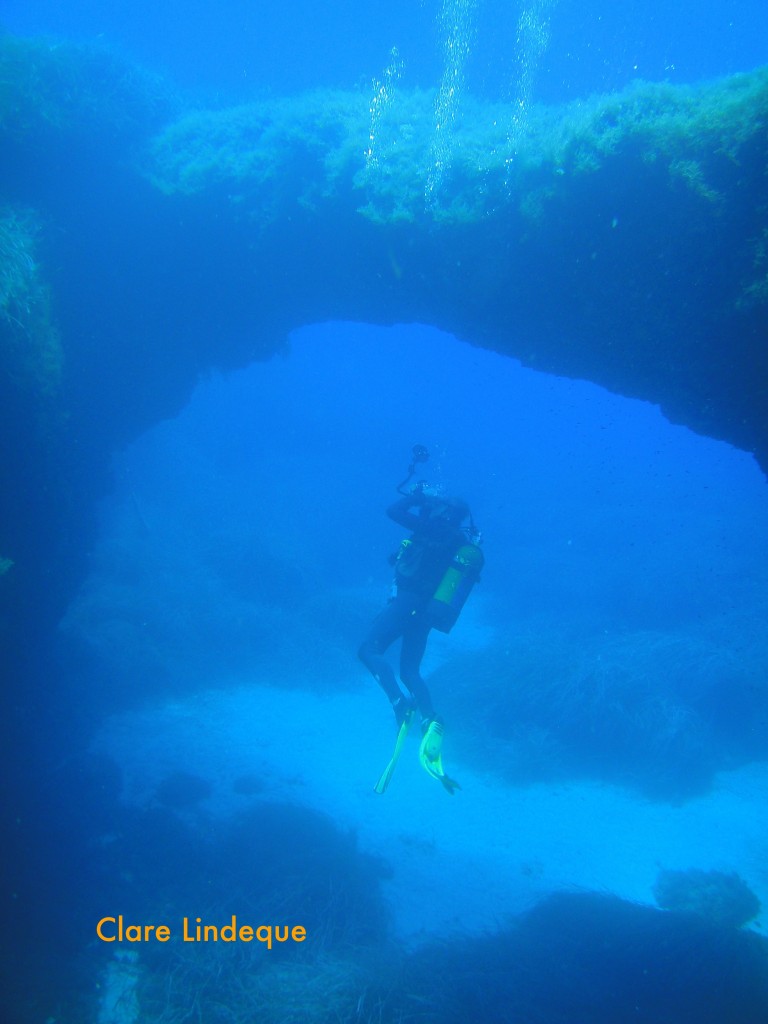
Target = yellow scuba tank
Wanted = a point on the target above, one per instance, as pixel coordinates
(455, 586)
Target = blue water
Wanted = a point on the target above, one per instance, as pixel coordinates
(560, 474)
(241, 47)
(616, 635)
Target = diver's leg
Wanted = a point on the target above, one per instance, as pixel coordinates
(430, 749)
(414, 645)
(385, 629)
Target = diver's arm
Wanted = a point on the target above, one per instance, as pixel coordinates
(401, 512)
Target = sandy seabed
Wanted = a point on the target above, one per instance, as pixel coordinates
(461, 863)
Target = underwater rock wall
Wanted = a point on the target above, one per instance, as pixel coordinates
(623, 239)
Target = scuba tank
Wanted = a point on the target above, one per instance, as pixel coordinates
(455, 587)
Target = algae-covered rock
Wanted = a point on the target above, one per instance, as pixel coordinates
(693, 132)
(30, 346)
(76, 89)
(722, 898)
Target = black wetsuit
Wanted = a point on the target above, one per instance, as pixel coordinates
(419, 568)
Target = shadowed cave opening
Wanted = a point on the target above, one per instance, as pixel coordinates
(616, 630)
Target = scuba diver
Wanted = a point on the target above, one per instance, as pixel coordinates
(435, 569)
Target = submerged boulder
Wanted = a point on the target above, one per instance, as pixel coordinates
(723, 898)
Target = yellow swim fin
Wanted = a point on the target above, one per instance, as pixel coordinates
(402, 733)
(431, 756)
